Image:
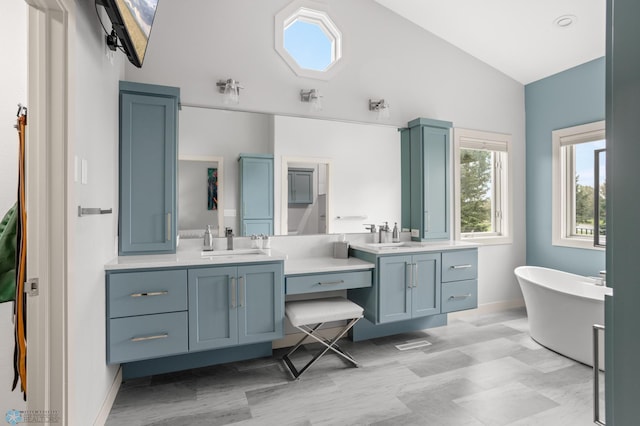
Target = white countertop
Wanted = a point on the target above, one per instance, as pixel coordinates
(189, 258)
(324, 264)
(415, 247)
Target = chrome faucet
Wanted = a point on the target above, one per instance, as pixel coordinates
(228, 232)
(383, 232)
(371, 228)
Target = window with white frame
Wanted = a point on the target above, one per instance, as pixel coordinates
(579, 186)
(482, 186)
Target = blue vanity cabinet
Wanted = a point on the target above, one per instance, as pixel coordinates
(425, 178)
(231, 305)
(146, 315)
(300, 183)
(148, 163)
(459, 280)
(256, 194)
(409, 286)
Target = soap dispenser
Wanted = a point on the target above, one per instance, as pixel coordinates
(396, 234)
(208, 239)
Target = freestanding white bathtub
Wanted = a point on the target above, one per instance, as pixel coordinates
(562, 309)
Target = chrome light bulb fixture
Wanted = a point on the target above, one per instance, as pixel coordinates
(381, 107)
(230, 90)
(314, 98)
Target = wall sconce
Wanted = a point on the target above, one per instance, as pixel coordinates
(230, 90)
(312, 96)
(381, 107)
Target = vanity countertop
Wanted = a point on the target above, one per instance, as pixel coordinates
(190, 258)
(314, 265)
(407, 247)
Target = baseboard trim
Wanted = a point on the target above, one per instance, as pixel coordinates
(488, 308)
(110, 399)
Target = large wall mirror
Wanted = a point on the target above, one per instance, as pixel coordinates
(345, 174)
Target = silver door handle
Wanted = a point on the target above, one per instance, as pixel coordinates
(150, 293)
(154, 337)
(596, 375)
(331, 282)
(409, 277)
(241, 291)
(466, 266)
(414, 275)
(169, 226)
(460, 297)
(233, 292)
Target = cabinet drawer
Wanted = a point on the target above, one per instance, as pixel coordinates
(326, 282)
(141, 293)
(147, 336)
(460, 295)
(459, 265)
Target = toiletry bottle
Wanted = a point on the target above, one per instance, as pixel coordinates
(396, 233)
(208, 239)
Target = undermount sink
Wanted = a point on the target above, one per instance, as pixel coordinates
(386, 245)
(236, 252)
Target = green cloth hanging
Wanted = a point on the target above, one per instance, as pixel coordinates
(8, 230)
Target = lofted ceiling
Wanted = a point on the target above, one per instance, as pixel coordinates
(518, 37)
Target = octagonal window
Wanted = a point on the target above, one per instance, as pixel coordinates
(308, 40)
(309, 45)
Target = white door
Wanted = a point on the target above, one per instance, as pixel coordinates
(50, 22)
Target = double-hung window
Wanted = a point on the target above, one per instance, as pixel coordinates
(579, 193)
(482, 187)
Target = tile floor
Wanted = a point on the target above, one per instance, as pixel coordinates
(478, 370)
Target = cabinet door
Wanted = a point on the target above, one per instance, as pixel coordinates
(147, 173)
(395, 293)
(257, 227)
(301, 190)
(425, 298)
(260, 303)
(256, 181)
(436, 183)
(213, 312)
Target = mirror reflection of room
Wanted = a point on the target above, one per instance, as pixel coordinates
(200, 201)
(307, 192)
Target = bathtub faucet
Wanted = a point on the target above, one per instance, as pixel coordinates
(598, 280)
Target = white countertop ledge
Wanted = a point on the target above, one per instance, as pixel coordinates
(189, 258)
(416, 247)
(314, 265)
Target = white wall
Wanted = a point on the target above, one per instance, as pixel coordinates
(384, 55)
(13, 86)
(96, 140)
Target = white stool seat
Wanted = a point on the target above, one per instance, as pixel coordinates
(321, 310)
(309, 315)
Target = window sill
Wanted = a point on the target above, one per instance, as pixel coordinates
(576, 243)
(487, 241)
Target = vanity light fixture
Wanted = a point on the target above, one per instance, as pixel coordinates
(381, 107)
(230, 90)
(312, 96)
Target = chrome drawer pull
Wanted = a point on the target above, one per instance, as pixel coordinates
(331, 282)
(145, 338)
(241, 291)
(467, 266)
(460, 297)
(150, 293)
